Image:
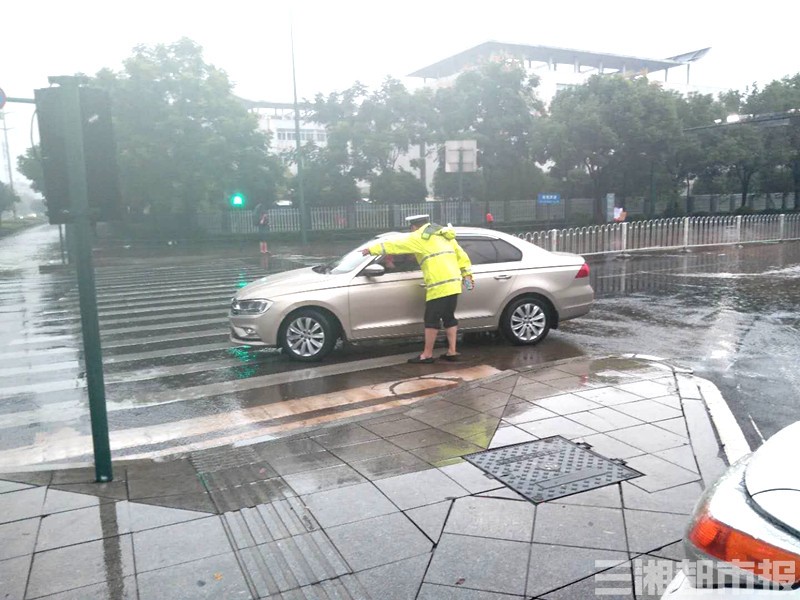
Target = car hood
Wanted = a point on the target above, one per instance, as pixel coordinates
(289, 282)
(772, 478)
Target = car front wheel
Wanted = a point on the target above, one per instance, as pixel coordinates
(308, 335)
(526, 321)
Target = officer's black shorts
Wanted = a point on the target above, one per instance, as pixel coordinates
(441, 311)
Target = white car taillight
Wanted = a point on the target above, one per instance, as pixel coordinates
(728, 544)
(583, 271)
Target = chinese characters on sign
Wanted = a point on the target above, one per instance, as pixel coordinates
(549, 198)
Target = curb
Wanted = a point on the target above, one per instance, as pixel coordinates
(730, 434)
(713, 429)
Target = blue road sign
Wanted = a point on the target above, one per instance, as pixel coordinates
(549, 198)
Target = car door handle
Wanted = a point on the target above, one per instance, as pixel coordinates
(502, 276)
(421, 285)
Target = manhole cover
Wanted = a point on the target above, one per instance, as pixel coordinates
(550, 468)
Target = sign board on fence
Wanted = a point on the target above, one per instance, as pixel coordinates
(549, 198)
(610, 199)
(464, 152)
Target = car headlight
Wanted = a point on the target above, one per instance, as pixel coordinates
(249, 307)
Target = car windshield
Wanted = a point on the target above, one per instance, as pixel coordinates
(349, 261)
(346, 263)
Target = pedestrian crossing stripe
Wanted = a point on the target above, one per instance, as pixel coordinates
(166, 354)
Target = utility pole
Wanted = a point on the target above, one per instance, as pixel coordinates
(300, 196)
(8, 162)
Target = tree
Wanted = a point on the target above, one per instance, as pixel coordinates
(688, 160)
(779, 97)
(369, 131)
(184, 140)
(30, 166)
(619, 131)
(7, 198)
(497, 106)
(397, 187)
(324, 182)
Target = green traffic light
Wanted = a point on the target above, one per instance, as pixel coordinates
(238, 200)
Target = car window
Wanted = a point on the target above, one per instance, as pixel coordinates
(399, 263)
(481, 251)
(506, 252)
(485, 251)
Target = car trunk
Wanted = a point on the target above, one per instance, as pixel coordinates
(773, 480)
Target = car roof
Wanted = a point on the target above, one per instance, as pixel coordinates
(459, 231)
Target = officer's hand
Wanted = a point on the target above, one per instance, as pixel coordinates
(364, 251)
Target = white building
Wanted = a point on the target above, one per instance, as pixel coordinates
(278, 119)
(560, 68)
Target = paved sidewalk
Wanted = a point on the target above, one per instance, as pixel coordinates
(385, 508)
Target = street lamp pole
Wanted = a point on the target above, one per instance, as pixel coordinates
(8, 161)
(300, 196)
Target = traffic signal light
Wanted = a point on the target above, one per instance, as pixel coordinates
(99, 149)
(238, 200)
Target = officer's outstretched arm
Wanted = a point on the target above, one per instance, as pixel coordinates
(409, 244)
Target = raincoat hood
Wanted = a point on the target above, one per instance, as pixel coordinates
(447, 231)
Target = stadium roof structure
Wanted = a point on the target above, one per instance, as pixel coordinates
(580, 60)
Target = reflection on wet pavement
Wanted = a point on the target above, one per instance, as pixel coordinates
(169, 366)
(729, 312)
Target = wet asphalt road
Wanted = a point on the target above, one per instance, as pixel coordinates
(730, 313)
(172, 379)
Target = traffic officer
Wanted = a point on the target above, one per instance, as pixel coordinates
(445, 268)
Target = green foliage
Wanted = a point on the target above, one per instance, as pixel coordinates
(497, 106)
(7, 198)
(616, 130)
(397, 187)
(324, 184)
(184, 141)
(368, 131)
(446, 185)
(31, 167)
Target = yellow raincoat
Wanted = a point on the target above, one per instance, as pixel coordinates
(443, 262)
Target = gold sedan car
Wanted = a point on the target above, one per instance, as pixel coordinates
(520, 289)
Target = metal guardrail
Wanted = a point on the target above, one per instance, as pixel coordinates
(685, 232)
(371, 217)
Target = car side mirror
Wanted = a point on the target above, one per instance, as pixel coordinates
(373, 270)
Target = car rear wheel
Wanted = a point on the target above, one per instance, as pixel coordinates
(308, 335)
(526, 321)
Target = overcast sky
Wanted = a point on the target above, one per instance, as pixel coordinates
(339, 42)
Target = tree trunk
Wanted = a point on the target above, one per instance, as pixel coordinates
(746, 176)
(796, 177)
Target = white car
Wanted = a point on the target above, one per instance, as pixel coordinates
(520, 289)
(744, 537)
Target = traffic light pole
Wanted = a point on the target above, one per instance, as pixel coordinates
(93, 356)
